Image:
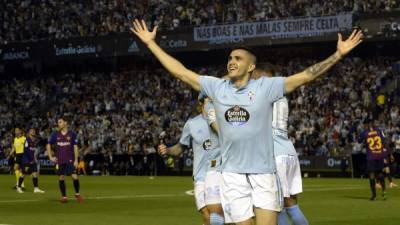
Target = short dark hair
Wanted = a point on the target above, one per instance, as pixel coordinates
(62, 117)
(268, 68)
(248, 50)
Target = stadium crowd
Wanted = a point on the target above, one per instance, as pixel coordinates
(125, 112)
(26, 20)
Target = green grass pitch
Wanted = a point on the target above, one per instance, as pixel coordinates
(162, 201)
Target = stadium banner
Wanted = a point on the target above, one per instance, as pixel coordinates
(324, 163)
(17, 52)
(382, 26)
(275, 29)
(81, 47)
(274, 32)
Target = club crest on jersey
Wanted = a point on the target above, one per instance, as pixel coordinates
(251, 95)
(237, 115)
(207, 144)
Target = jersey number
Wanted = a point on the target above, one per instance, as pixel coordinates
(375, 143)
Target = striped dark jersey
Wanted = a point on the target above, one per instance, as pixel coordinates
(64, 146)
(31, 146)
(373, 140)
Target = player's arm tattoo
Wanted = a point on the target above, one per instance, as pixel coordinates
(320, 68)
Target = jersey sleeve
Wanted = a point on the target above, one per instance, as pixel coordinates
(52, 139)
(74, 138)
(185, 137)
(274, 87)
(208, 85)
(210, 110)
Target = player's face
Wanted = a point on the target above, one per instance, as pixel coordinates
(61, 124)
(239, 64)
(32, 132)
(18, 132)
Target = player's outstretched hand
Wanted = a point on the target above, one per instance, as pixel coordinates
(162, 149)
(140, 29)
(344, 47)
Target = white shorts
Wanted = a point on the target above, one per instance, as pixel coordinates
(199, 194)
(288, 167)
(241, 192)
(213, 183)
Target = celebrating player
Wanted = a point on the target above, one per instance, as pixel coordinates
(206, 174)
(244, 114)
(287, 162)
(66, 149)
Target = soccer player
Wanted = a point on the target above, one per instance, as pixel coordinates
(17, 149)
(372, 137)
(287, 162)
(243, 109)
(66, 159)
(390, 168)
(29, 162)
(198, 134)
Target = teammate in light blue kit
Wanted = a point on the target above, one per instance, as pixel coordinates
(244, 114)
(287, 162)
(206, 166)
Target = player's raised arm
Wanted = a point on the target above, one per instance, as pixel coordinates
(315, 71)
(176, 68)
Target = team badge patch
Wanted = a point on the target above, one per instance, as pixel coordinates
(251, 95)
(207, 144)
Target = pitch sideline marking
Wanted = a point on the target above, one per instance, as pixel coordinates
(189, 192)
(104, 197)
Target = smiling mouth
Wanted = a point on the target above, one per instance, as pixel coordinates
(231, 69)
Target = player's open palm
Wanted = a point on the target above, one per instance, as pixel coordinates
(344, 47)
(140, 29)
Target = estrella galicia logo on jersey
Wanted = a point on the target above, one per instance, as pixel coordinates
(237, 115)
(207, 144)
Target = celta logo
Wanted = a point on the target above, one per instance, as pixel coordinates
(207, 144)
(395, 26)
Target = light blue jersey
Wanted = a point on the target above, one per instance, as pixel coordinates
(244, 117)
(215, 154)
(204, 141)
(282, 144)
